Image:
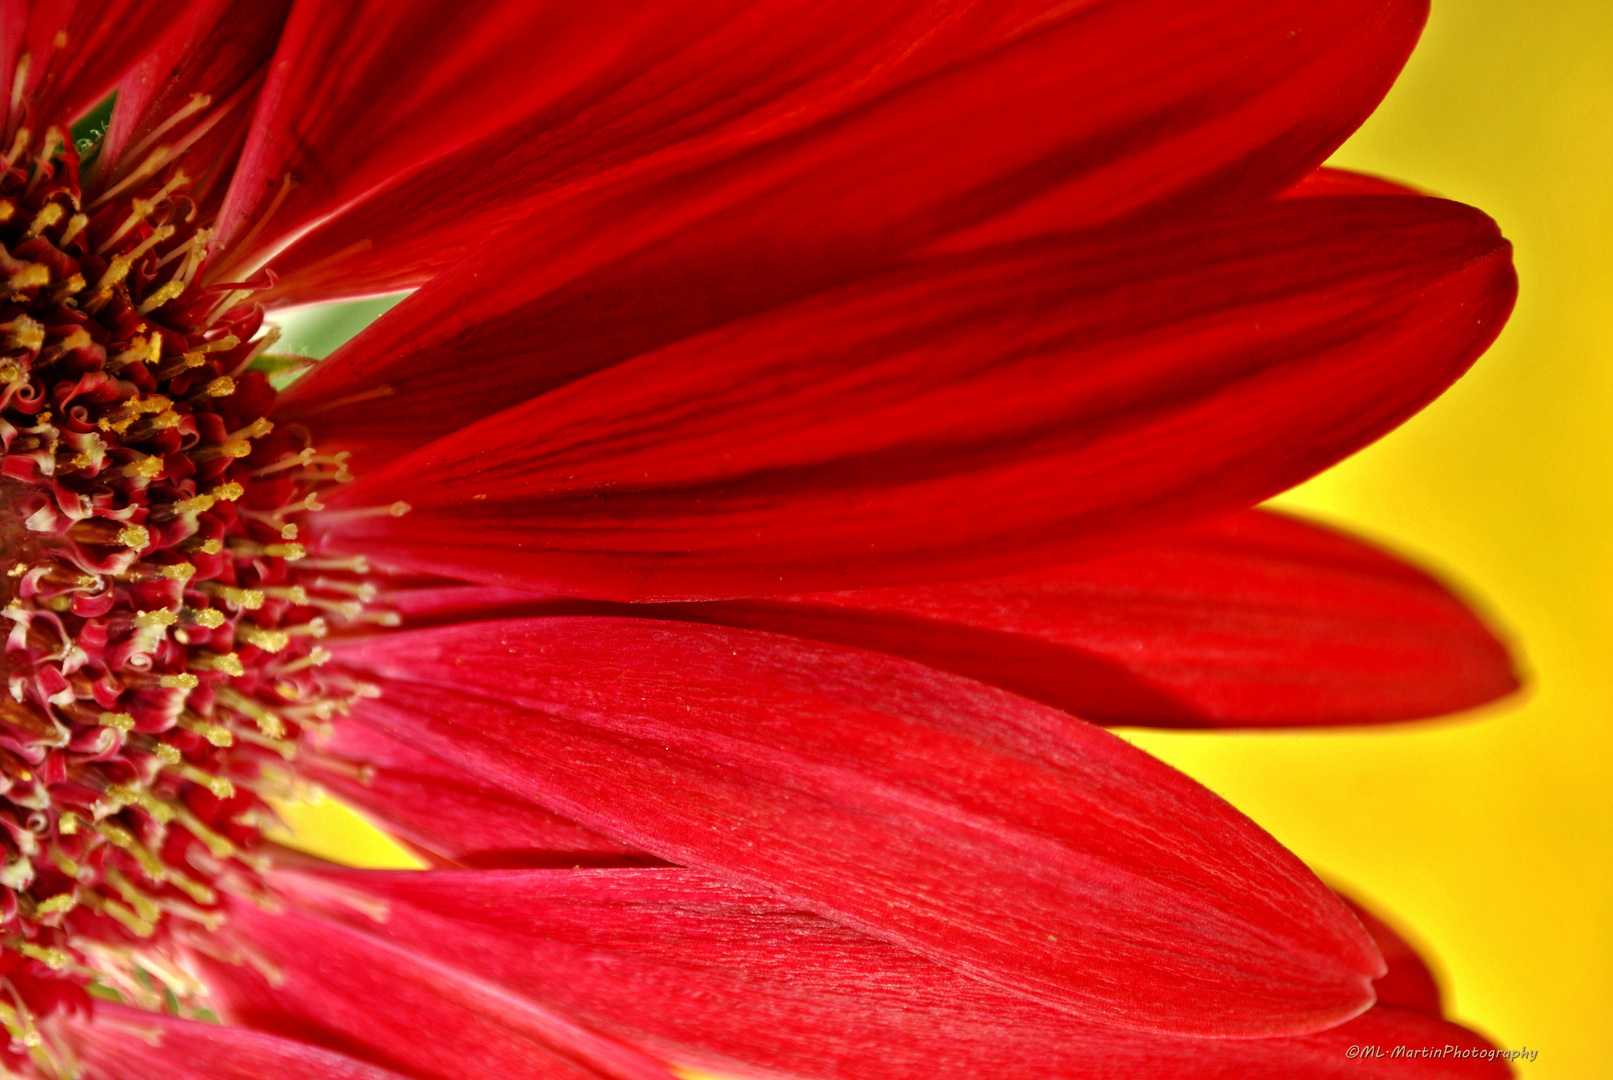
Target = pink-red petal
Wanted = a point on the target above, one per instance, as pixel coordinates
(1006, 839)
(737, 983)
(913, 121)
(121, 1043)
(400, 1008)
(446, 814)
(968, 417)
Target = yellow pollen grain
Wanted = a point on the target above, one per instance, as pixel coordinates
(25, 333)
(55, 959)
(268, 723)
(271, 641)
(178, 572)
(223, 386)
(218, 785)
(60, 902)
(76, 338)
(183, 681)
(160, 296)
(228, 663)
(150, 467)
(48, 215)
(196, 505)
(29, 277)
(75, 225)
(207, 618)
(144, 350)
(288, 552)
(228, 492)
(213, 733)
(121, 721)
(247, 599)
(134, 536)
(159, 619)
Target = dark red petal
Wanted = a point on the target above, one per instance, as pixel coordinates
(1409, 982)
(363, 92)
(740, 985)
(448, 815)
(972, 416)
(1001, 837)
(399, 1008)
(1255, 620)
(221, 51)
(129, 1044)
(79, 49)
(1046, 116)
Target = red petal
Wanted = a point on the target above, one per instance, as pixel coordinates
(376, 1001)
(79, 49)
(447, 814)
(1254, 620)
(1410, 982)
(1071, 115)
(969, 417)
(740, 985)
(371, 90)
(998, 836)
(130, 1044)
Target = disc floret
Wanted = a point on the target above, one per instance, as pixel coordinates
(162, 655)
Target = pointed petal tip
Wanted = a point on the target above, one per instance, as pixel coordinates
(896, 799)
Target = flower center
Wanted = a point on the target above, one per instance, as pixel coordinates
(162, 619)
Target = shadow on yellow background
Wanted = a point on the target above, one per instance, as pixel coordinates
(1490, 837)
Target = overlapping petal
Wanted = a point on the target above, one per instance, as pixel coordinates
(403, 1008)
(1409, 983)
(969, 118)
(995, 835)
(797, 310)
(732, 981)
(446, 814)
(1254, 620)
(220, 51)
(77, 50)
(971, 416)
(361, 93)
(1167, 98)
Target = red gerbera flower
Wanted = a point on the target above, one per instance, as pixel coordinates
(806, 412)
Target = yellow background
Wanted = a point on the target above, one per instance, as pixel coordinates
(1489, 837)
